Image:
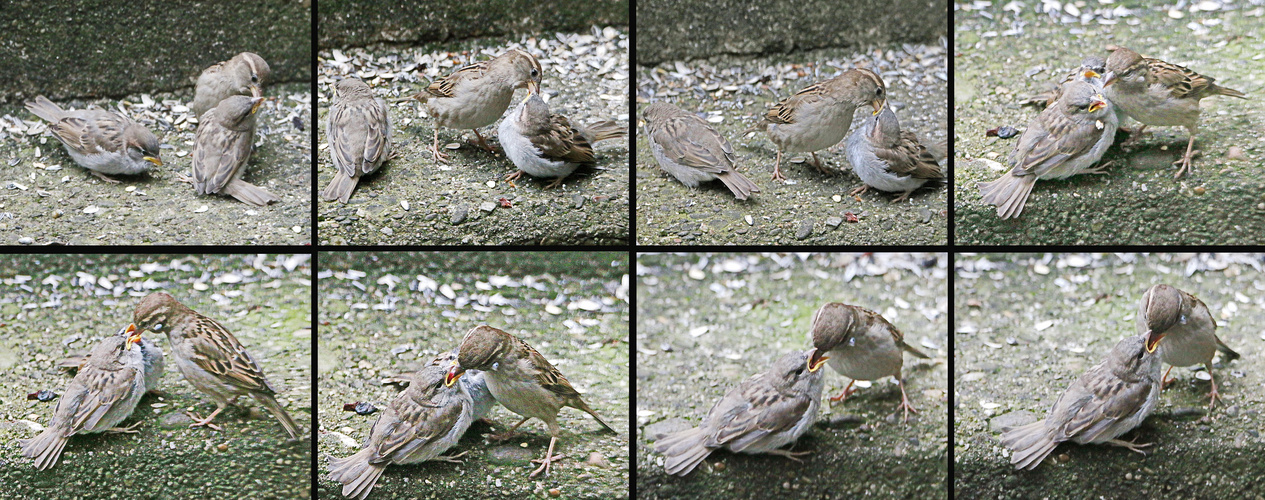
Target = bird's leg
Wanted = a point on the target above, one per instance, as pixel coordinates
(821, 167)
(1185, 161)
(556, 183)
(481, 142)
(1165, 381)
(904, 196)
(860, 190)
(507, 434)
(549, 459)
(104, 177)
(904, 399)
(200, 422)
(434, 149)
(131, 429)
(777, 164)
(847, 391)
(451, 458)
(1214, 395)
(1100, 169)
(1132, 445)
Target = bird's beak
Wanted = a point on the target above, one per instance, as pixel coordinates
(816, 360)
(454, 373)
(1111, 78)
(155, 160)
(878, 105)
(1089, 73)
(1153, 340)
(256, 102)
(533, 87)
(133, 335)
(255, 91)
(1098, 104)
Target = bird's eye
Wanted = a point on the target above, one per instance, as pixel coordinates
(534, 72)
(254, 78)
(879, 91)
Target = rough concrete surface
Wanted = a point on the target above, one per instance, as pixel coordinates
(1027, 325)
(706, 322)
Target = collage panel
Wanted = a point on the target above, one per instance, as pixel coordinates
(136, 123)
(1108, 123)
(473, 356)
(741, 358)
(486, 125)
(792, 123)
(156, 376)
(1079, 374)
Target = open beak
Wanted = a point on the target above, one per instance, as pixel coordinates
(533, 87)
(1089, 73)
(454, 373)
(1098, 104)
(133, 335)
(255, 91)
(878, 105)
(816, 360)
(155, 160)
(1153, 340)
(256, 102)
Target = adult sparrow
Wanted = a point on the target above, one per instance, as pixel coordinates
(359, 136)
(477, 95)
(209, 357)
(890, 159)
(819, 116)
(101, 141)
(221, 148)
(1091, 71)
(422, 422)
(151, 355)
(244, 74)
(862, 346)
(764, 413)
(691, 150)
(545, 144)
(102, 395)
(1064, 140)
(1110, 399)
(1154, 92)
(1188, 330)
(522, 381)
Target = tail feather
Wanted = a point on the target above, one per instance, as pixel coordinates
(277, 411)
(45, 448)
(682, 451)
(741, 186)
(763, 124)
(248, 193)
(45, 109)
(340, 188)
(1227, 354)
(579, 404)
(912, 350)
(356, 474)
(1215, 89)
(1031, 444)
(603, 130)
(1009, 193)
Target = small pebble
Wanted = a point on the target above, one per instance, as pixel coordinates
(720, 467)
(1064, 458)
(1199, 191)
(555, 492)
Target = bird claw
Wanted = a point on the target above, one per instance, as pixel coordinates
(200, 422)
(545, 463)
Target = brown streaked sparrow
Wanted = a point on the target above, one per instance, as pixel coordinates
(221, 149)
(244, 74)
(890, 159)
(820, 115)
(209, 357)
(1091, 71)
(862, 346)
(691, 150)
(151, 354)
(101, 141)
(766, 412)
(1188, 330)
(1064, 140)
(1110, 399)
(522, 381)
(422, 422)
(359, 136)
(545, 144)
(477, 95)
(102, 395)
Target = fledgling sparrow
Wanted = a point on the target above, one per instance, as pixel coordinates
(862, 345)
(769, 410)
(1154, 92)
(1064, 140)
(1091, 71)
(209, 357)
(522, 381)
(477, 95)
(101, 141)
(691, 150)
(1188, 330)
(244, 74)
(151, 355)
(545, 144)
(423, 421)
(102, 395)
(890, 159)
(471, 380)
(359, 136)
(820, 115)
(221, 149)
(1110, 399)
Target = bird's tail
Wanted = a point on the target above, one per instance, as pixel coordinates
(1214, 89)
(912, 350)
(275, 408)
(1227, 354)
(45, 109)
(45, 448)
(682, 451)
(356, 474)
(248, 193)
(340, 188)
(1009, 193)
(579, 404)
(602, 130)
(1031, 444)
(741, 186)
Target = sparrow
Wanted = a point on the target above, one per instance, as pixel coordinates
(862, 346)
(209, 357)
(102, 395)
(691, 150)
(101, 141)
(890, 159)
(1110, 399)
(1154, 92)
(1064, 140)
(477, 95)
(244, 74)
(471, 381)
(422, 422)
(545, 144)
(151, 355)
(522, 381)
(1187, 327)
(221, 148)
(1091, 71)
(820, 115)
(764, 413)
(359, 136)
